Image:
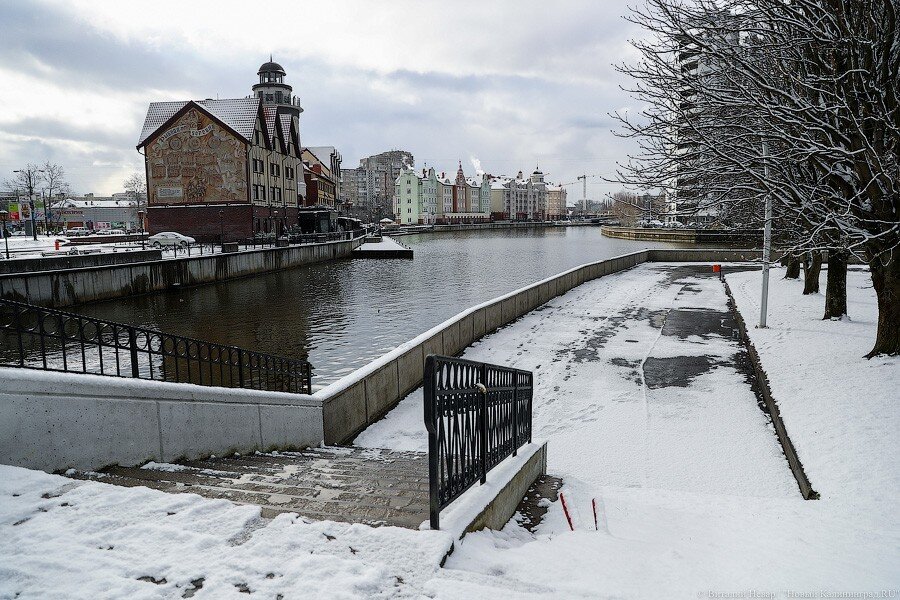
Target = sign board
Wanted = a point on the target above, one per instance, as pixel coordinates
(166, 193)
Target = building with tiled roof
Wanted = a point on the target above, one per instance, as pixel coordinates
(226, 169)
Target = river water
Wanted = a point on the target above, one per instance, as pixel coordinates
(341, 315)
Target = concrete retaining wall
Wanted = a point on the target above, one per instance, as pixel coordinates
(354, 402)
(76, 286)
(65, 261)
(56, 421)
(53, 421)
(500, 510)
(687, 236)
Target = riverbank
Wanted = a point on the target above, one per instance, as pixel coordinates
(80, 285)
(692, 501)
(492, 226)
(642, 394)
(736, 238)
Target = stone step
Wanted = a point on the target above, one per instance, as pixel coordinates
(359, 485)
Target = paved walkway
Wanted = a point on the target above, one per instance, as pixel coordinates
(376, 487)
(639, 383)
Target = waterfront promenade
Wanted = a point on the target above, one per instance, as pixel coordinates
(645, 400)
(639, 384)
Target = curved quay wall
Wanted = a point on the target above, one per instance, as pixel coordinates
(683, 236)
(76, 286)
(355, 401)
(54, 421)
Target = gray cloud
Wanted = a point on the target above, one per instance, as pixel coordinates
(515, 92)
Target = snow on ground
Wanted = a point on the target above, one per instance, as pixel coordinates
(386, 243)
(840, 408)
(76, 539)
(695, 497)
(587, 349)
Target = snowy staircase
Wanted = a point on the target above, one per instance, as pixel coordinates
(359, 485)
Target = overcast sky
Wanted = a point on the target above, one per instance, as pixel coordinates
(510, 84)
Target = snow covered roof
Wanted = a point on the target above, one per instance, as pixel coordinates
(238, 113)
(323, 153)
(94, 203)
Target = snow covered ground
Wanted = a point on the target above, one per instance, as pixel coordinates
(695, 500)
(643, 398)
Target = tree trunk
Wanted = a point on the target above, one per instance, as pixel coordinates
(836, 284)
(793, 268)
(811, 269)
(886, 281)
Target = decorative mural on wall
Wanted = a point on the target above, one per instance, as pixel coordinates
(196, 161)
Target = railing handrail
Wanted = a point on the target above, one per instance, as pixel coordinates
(487, 418)
(133, 331)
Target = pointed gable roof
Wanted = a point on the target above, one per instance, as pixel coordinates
(237, 114)
(288, 132)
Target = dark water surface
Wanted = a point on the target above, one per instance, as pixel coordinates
(342, 314)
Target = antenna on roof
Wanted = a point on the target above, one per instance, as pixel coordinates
(270, 57)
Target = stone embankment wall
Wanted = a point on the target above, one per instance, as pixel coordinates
(354, 402)
(67, 287)
(58, 263)
(685, 236)
(54, 421)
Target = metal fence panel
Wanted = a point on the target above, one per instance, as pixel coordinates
(35, 337)
(476, 415)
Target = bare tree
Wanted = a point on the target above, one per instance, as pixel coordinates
(54, 180)
(136, 184)
(795, 101)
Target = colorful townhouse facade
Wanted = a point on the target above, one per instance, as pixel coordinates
(427, 197)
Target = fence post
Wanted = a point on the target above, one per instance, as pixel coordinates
(431, 416)
(132, 347)
(515, 418)
(483, 423)
(240, 367)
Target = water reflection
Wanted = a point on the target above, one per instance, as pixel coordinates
(342, 314)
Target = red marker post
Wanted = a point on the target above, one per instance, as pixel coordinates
(566, 511)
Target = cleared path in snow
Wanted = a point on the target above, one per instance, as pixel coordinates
(639, 384)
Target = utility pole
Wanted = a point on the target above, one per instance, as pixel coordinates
(767, 242)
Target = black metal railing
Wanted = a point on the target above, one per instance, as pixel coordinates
(476, 414)
(35, 337)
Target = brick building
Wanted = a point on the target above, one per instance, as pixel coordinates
(226, 168)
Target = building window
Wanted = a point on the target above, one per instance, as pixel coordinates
(257, 165)
(289, 172)
(274, 169)
(259, 192)
(276, 195)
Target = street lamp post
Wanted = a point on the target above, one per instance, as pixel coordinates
(222, 227)
(141, 212)
(3, 216)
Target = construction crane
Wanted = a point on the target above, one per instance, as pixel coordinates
(583, 179)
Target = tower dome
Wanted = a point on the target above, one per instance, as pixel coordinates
(272, 89)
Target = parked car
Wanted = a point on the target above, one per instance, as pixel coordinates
(170, 238)
(115, 232)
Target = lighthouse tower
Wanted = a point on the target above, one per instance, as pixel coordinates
(272, 89)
